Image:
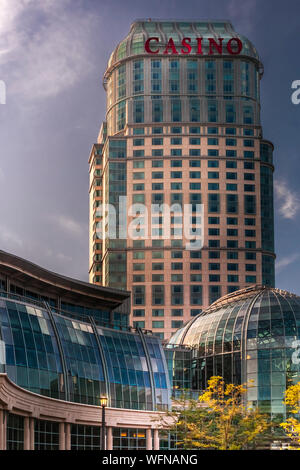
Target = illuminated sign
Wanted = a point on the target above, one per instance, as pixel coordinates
(233, 46)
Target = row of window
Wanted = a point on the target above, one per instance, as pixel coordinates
(158, 324)
(178, 266)
(158, 110)
(214, 204)
(195, 266)
(177, 293)
(193, 175)
(193, 76)
(232, 131)
(195, 277)
(215, 266)
(193, 153)
(249, 255)
(83, 437)
(195, 164)
(177, 197)
(230, 142)
(159, 312)
(156, 231)
(117, 149)
(178, 243)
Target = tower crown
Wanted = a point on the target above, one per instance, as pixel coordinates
(164, 30)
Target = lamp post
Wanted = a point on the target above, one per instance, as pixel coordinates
(103, 403)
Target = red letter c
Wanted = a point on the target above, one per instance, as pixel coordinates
(147, 46)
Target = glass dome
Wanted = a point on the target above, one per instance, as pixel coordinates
(140, 30)
(249, 336)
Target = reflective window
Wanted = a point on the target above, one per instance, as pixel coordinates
(132, 438)
(43, 352)
(46, 435)
(32, 355)
(15, 432)
(128, 373)
(85, 437)
(83, 362)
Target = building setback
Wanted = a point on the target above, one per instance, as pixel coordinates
(182, 127)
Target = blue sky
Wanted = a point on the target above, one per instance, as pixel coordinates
(53, 54)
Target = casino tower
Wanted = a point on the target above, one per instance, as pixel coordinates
(182, 127)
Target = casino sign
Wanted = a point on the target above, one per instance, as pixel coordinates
(233, 46)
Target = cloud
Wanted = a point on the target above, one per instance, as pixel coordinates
(44, 46)
(286, 261)
(9, 11)
(9, 239)
(67, 224)
(289, 201)
(59, 256)
(63, 257)
(243, 14)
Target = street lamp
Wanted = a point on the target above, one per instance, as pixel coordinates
(103, 403)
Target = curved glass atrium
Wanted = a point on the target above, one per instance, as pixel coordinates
(73, 360)
(251, 335)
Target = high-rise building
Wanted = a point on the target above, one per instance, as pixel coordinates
(182, 127)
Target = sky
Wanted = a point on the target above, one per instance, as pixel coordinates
(53, 54)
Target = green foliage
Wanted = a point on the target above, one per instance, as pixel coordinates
(292, 424)
(219, 419)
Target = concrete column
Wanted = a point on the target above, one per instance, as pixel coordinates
(156, 439)
(31, 425)
(26, 433)
(62, 437)
(1, 429)
(4, 435)
(149, 439)
(109, 438)
(68, 436)
(7, 284)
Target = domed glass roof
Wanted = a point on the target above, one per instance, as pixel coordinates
(251, 336)
(269, 317)
(141, 30)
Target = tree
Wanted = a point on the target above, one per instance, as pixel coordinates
(292, 424)
(217, 420)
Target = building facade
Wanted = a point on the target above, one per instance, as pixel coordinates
(182, 128)
(250, 336)
(63, 344)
